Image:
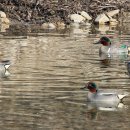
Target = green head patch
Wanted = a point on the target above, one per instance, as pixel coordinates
(123, 46)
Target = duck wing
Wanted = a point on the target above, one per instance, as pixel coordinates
(107, 92)
(119, 93)
(5, 63)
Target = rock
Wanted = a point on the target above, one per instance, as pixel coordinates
(60, 25)
(77, 18)
(3, 27)
(45, 25)
(113, 12)
(113, 21)
(103, 28)
(2, 14)
(102, 19)
(51, 26)
(86, 15)
(86, 24)
(48, 26)
(4, 21)
(75, 25)
(126, 17)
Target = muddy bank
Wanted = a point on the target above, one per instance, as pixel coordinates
(42, 11)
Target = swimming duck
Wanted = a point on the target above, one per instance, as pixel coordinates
(109, 47)
(128, 67)
(4, 65)
(107, 97)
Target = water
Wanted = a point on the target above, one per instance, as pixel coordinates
(41, 90)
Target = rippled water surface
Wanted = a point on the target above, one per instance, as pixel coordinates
(41, 90)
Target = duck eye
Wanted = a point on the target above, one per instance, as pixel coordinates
(90, 86)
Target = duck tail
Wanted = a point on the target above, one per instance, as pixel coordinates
(121, 96)
(128, 47)
(6, 63)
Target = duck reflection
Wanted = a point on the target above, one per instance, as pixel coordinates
(128, 68)
(4, 65)
(105, 59)
(106, 106)
(93, 108)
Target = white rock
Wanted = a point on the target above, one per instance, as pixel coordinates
(112, 21)
(3, 27)
(86, 15)
(60, 25)
(45, 25)
(102, 19)
(77, 18)
(75, 25)
(4, 21)
(48, 26)
(103, 28)
(87, 24)
(2, 14)
(113, 12)
(51, 26)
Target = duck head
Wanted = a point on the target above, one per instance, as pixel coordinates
(105, 41)
(91, 86)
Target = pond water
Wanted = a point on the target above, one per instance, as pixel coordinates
(41, 90)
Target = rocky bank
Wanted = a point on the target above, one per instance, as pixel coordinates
(53, 11)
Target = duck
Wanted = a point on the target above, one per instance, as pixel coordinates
(127, 67)
(4, 66)
(110, 48)
(104, 99)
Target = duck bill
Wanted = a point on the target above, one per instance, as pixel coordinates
(97, 42)
(84, 88)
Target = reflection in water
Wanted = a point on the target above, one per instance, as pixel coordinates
(4, 73)
(106, 59)
(128, 67)
(42, 91)
(106, 29)
(95, 108)
(106, 106)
